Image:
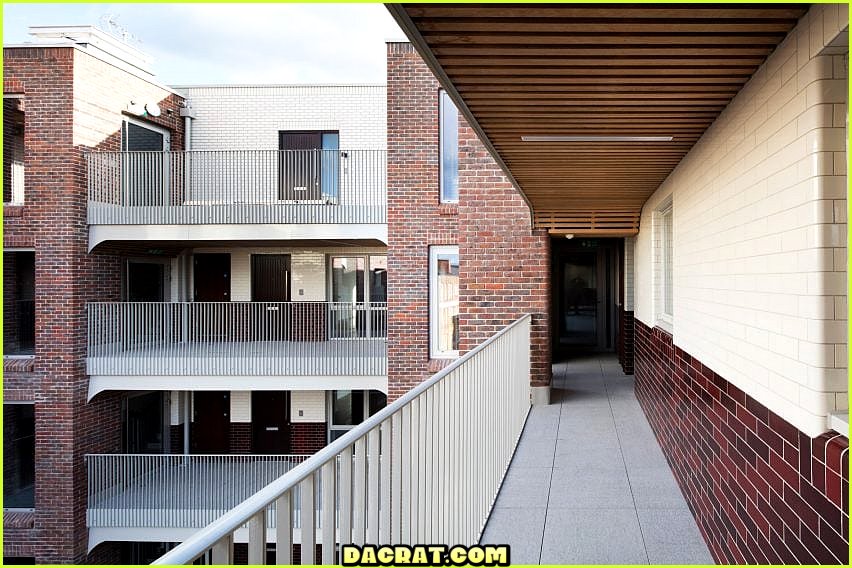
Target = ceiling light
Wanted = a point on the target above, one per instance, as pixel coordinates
(569, 236)
(558, 138)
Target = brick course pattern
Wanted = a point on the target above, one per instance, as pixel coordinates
(504, 265)
(57, 129)
(307, 438)
(625, 340)
(762, 491)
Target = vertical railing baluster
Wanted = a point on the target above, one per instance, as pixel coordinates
(329, 501)
(284, 528)
(257, 538)
(308, 521)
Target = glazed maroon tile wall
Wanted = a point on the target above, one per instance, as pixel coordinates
(761, 491)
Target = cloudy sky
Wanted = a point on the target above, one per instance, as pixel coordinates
(236, 43)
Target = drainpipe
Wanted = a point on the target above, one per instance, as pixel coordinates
(187, 112)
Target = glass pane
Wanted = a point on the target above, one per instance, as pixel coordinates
(448, 302)
(449, 116)
(378, 279)
(330, 166)
(668, 252)
(18, 456)
(378, 400)
(347, 407)
(19, 299)
(578, 325)
(347, 279)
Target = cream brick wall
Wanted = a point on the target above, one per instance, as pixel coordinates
(307, 269)
(311, 405)
(760, 231)
(250, 117)
(240, 406)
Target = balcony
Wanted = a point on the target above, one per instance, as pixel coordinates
(138, 496)
(222, 345)
(270, 193)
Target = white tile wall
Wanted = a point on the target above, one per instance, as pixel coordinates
(311, 405)
(307, 269)
(240, 406)
(176, 405)
(250, 117)
(760, 231)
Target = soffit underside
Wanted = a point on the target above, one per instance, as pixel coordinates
(594, 70)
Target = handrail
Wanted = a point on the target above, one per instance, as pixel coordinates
(237, 338)
(221, 529)
(237, 186)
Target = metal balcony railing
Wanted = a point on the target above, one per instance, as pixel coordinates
(425, 469)
(237, 186)
(178, 491)
(237, 338)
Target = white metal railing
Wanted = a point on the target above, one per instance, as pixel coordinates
(237, 338)
(179, 491)
(449, 441)
(237, 186)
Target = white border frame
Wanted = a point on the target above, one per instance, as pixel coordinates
(434, 251)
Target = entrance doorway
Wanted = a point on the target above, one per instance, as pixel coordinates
(270, 422)
(212, 277)
(144, 423)
(585, 295)
(211, 428)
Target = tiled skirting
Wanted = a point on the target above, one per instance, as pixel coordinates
(761, 490)
(625, 341)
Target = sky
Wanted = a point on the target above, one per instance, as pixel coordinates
(236, 43)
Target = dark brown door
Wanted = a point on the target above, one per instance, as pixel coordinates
(212, 277)
(299, 164)
(145, 281)
(211, 422)
(270, 422)
(270, 278)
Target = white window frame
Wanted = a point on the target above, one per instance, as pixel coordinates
(434, 252)
(167, 135)
(18, 191)
(444, 96)
(329, 412)
(664, 265)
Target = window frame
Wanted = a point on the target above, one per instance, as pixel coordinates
(443, 97)
(434, 313)
(165, 132)
(344, 428)
(664, 265)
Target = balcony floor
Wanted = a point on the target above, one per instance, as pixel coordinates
(589, 484)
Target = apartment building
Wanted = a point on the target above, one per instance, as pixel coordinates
(687, 209)
(195, 288)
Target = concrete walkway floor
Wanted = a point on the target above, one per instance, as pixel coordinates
(589, 484)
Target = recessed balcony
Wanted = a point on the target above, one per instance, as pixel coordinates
(217, 345)
(199, 194)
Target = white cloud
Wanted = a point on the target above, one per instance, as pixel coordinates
(247, 43)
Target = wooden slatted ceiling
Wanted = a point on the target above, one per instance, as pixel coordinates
(595, 70)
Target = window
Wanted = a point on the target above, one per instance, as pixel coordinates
(449, 144)
(664, 246)
(309, 166)
(145, 175)
(19, 303)
(13, 150)
(359, 291)
(444, 301)
(18, 456)
(348, 408)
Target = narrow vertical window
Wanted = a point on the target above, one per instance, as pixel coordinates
(664, 273)
(13, 151)
(18, 303)
(18, 456)
(449, 135)
(444, 300)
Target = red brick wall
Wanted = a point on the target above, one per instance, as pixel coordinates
(625, 340)
(53, 221)
(240, 438)
(307, 438)
(504, 266)
(761, 491)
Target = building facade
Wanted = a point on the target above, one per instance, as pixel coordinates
(187, 271)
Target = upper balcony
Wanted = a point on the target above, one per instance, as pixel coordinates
(205, 195)
(224, 345)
